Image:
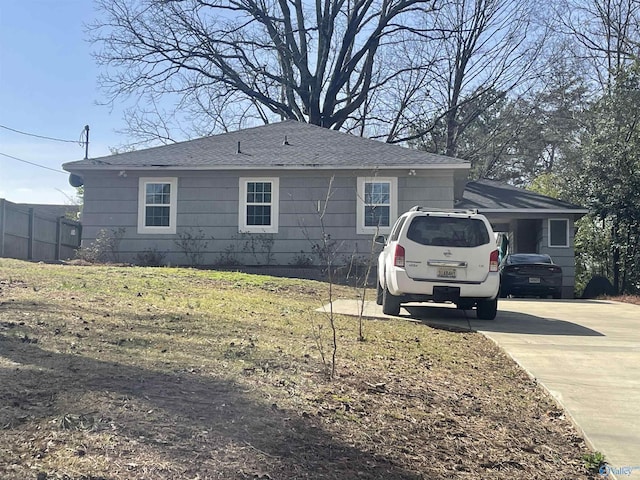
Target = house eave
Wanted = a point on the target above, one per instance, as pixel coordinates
(449, 166)
(561, 211)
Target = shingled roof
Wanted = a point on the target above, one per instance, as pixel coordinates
(488, 196)
(285, 145)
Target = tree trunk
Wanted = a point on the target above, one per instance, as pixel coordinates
(616, 255)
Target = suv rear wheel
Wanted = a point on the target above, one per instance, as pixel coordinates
(487, 309)
(379, 294)
(390, 303)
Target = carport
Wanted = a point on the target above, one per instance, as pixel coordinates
(532, 223)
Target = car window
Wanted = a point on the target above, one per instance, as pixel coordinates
(396, 229)
(448, 231)
(528, 258)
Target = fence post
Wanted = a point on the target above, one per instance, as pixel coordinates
(79, 233)
(31, 234)
(59, 239)
(2, 223)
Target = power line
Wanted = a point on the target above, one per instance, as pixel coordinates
(31, 163)
(40, 136)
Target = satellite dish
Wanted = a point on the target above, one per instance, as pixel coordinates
(76, 180)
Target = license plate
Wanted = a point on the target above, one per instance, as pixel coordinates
(446, 273)
(534, 280)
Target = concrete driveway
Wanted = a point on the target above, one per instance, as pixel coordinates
(586, 353)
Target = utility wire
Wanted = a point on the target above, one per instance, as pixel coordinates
(40, 136)
(31, 163)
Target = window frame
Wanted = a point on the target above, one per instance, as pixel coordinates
(142, 205)
(568, 239)
(243, 204)
(361, 228)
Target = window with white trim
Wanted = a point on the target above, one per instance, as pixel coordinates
(259, 205)
(558, 232)
(377, 207)
(157, 205)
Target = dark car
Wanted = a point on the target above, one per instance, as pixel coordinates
(530, 274)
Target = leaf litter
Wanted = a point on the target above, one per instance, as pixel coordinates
(217, 375)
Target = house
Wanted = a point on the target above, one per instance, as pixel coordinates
(531, 222)
(263, 195)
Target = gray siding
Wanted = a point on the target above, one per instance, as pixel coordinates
(528, 233)
(208, 203)
(562, 256)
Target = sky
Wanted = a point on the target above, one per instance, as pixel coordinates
(49, 87)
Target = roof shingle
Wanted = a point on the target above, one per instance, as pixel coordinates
(288, 144)
(489, 195)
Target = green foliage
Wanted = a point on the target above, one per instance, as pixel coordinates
(592, 251)
(599, 168)
(593, 461)
(548, 184)
(609, 175)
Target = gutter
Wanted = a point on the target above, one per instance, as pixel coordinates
(533, 210)
(72, 168)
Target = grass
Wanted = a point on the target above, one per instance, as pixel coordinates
(124, 372)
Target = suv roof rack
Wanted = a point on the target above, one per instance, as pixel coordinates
(468, 211)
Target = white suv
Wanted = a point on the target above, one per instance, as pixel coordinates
(440, 256)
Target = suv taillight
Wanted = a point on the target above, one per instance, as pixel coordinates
(493, 261)
(398, 256)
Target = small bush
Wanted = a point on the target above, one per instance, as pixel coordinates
(229, 257)
(594, 461)
(260, 245)
(105, 248)
(193, 244)
(150, 257)
(302, 260)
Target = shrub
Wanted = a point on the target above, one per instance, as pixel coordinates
(193, 244)
(105, 248)
(150, 257)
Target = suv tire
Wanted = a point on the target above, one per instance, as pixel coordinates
(379, 294)
(390, 303)
(487, 309)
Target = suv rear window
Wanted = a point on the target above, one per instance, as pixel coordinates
(528, 258)
(448, 231)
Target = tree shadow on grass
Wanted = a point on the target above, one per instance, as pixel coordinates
(202, 426)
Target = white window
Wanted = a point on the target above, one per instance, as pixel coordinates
(558, 232)
(157, 200)
(258, 205)
(377, 207)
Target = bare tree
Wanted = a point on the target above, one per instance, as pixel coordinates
(237, 61)
(488, 46)
(606, 34)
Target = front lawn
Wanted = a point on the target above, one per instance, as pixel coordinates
(158, 373)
